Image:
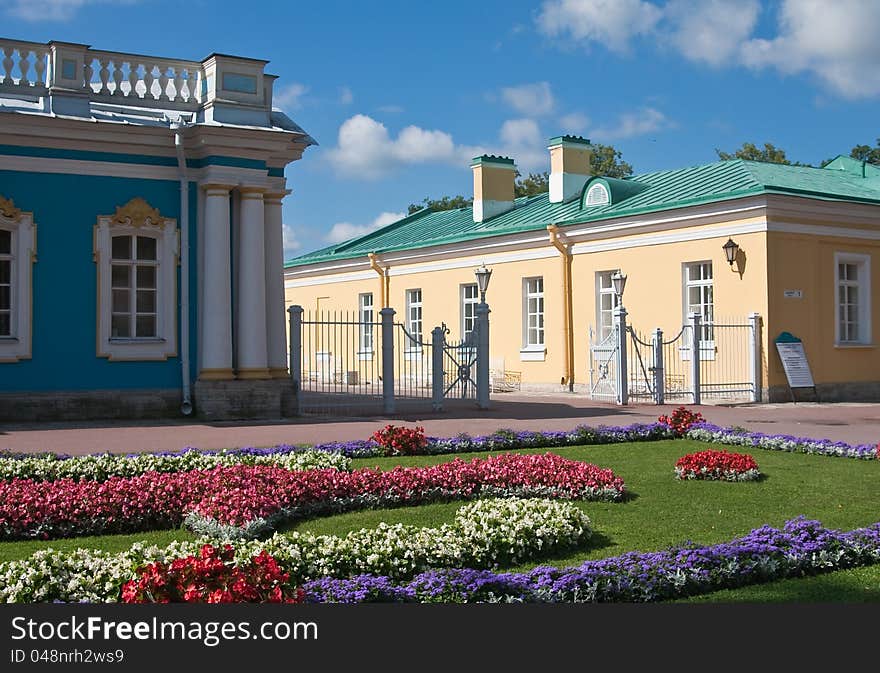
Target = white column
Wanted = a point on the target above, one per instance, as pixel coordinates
(276, 332)
(216, 301)
(252, 357)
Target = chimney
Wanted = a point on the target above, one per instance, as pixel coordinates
(493, 186)
(569, 166)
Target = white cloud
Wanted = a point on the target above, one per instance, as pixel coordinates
(711, 31)
(530, 99)
(54, 10)
(574, 122)
(835, 40)
(522, 141)
(346, 97)
(291, 244)
(289, 96)
(366, 150)
(630, 124)
(342, 231)
(612, 23)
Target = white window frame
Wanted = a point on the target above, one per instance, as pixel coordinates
(533, 350)
(602, 197)
(135, 220)
(23, 253)
(366, 330)
(707, 342)
(863, 284)
(604, 290)
(418, 335)
(468, 308)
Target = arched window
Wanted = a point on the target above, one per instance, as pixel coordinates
(136, 252)
(17, 255)
(597, 195)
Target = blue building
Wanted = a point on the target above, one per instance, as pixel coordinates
(141, 235)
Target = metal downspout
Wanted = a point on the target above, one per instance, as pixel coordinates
(383, 275)
(186, 406)
(565, 252)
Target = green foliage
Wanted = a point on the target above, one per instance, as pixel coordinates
(606, 160)
(535, 183)
(445, 203)
(750, 152)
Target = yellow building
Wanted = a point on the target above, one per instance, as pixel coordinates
(806, 240)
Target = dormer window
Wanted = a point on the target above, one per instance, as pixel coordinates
(597, 195)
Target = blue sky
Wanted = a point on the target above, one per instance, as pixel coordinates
(400, 95)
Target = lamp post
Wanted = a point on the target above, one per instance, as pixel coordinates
(483, 275)
(482, 328)
(618, 282)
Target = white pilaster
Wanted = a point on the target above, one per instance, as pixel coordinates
(276, 331)
(216, 301)
(252, 356)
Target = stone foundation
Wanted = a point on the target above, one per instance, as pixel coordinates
(856, 391)
(80, 405)
(252, 399)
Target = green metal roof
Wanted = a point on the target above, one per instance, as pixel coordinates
(662, 190)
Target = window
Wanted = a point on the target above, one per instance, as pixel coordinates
(414, 320)
(365, 317)
(698, 296)
(6, 286)
(533, 319)
(17, 255)
(133, 267)
(136, 252)
(470, 297)
(597, 195)
(606, 302)
(853, 275)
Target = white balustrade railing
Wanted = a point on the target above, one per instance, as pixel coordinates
(24, 67)
(142, 80)
(27, 68)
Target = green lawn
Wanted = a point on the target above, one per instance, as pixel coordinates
(839, 492)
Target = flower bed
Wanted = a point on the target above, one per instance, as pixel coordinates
(483, 534)
(48, 467)
(256, 498)
(717, 465)
(801, 547)
(211, 577)
(707, 432)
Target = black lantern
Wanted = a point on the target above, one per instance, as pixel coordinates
(731, 250)
(483, 274)
(618, 282)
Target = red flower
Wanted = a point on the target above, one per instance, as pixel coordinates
(681, 419)
(712, 464)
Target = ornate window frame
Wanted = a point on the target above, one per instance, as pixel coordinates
(138, 218)
(18, 344)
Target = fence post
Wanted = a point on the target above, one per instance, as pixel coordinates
(622, 373)
(659, 372)
(295, 320)
(437, 375)
(387, 360)
(695, 354)
(482, 329)
(755, 356)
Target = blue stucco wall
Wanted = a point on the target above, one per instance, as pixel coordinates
(65, 209)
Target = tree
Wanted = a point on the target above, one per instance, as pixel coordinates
(445, 203)
(535, 183)
(607, 161)
(750, 152)
(867, 153)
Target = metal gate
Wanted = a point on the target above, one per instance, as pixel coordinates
(342, 364)
(717, 361)
(604, 365)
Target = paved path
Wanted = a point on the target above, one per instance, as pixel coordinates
(853, 423)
